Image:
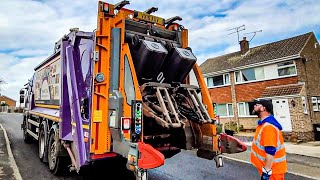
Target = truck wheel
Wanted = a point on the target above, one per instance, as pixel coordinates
(42, 142)
(27, 138)
(56, 163)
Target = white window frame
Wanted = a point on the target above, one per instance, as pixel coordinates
(246, 109)
(223, 78)
(227, 108)
(266, 69)
(304, 104)
(235, 77)
(2, 102)
(315, 101)
(241, 75)
(230, 115)
(287, 66)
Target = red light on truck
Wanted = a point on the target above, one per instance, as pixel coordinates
(126, 123)
(106, 7)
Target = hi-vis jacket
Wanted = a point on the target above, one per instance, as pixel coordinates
(268, 135)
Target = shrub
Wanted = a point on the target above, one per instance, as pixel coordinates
(18, 110)
(4, 104)
(232, 126)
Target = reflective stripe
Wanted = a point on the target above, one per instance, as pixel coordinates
(259, 146)
(257, 142)
(258, 156)
(277, 160)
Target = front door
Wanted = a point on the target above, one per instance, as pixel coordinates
(282, 113)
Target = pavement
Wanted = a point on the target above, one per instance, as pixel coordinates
(8, 166)
(303, 159)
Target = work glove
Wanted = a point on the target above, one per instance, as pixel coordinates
(266, 174)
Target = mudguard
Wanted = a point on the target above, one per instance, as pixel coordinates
(230, 144)
(149, 157)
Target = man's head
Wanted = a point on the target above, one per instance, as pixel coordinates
(263, 106)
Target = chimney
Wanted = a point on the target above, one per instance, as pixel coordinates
(244, 45)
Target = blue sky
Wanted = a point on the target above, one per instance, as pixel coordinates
(29, 29)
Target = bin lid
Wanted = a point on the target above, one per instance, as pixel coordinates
(186, 54)
(155, 46)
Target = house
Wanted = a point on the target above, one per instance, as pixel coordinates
(286, 72)
(7, 100)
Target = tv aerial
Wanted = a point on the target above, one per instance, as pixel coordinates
(254, 32)
(237, 30)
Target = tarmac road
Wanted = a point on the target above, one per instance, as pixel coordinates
(184, 165)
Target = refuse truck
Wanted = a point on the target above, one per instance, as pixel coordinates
(130, 89)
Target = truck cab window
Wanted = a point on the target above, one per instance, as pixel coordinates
(128, 82)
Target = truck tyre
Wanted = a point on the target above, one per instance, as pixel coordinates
(27, 138)
(56, 163)
(43, 142)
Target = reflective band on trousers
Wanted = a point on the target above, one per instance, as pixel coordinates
(257, 143)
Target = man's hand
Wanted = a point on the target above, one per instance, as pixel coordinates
(266, 174)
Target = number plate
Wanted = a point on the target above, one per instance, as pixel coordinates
(149, 18)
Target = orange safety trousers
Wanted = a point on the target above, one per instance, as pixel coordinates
(274, 176)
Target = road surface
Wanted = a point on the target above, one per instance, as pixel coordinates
(185, 165)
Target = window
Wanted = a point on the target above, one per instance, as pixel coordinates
(226, 79)
(238, 76)
(2, 102)
(218, 80)
(245, 108)
(128, 82)
(224, 110)
(304, 105)
(272, 71)
(250, 74)
(286, 68)
(315, 103)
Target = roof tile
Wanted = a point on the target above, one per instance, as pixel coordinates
(275, 50)
(282, 90)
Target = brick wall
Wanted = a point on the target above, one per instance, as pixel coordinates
(301, 122)
(248, 92)
(221, 95)
(310, 73)
(249, 124)
(10, 102)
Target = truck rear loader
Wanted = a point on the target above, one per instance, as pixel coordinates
(130, 89)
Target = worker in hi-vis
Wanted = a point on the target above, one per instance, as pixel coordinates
(268, 153)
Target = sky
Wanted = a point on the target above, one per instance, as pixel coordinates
(30, 28)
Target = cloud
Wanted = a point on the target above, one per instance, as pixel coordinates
(17, 72)
(30, 28)
(30, 52)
